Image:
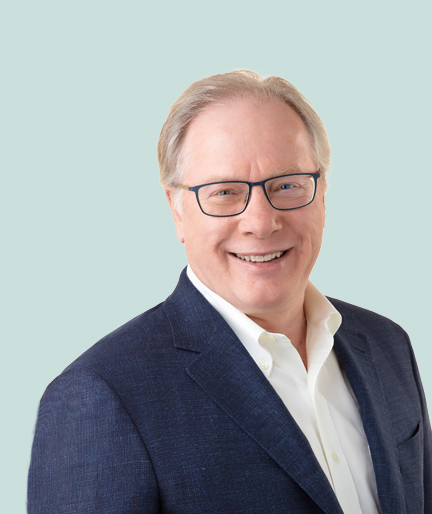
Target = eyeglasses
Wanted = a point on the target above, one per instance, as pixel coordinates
(231, 198)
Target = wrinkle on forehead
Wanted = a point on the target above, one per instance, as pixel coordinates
(237, 126)
(224, 177)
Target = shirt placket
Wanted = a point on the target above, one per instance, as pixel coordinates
(339, 469)
(340, 472)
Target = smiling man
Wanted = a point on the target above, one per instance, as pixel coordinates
(259, 260)
(247, 390)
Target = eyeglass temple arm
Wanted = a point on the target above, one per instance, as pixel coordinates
(182, 187)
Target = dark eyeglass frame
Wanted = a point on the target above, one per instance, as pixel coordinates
(195, 189)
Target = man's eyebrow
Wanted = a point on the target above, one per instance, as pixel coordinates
(276, 173)
(288, 171)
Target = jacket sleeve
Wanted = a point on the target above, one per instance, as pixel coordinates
(87, 455)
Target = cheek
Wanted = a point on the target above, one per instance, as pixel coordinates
(317, 220)
(206, 233)
(310, 232)
(316, 234)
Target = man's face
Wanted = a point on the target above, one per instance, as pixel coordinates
(247, 141)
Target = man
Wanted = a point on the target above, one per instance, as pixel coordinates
(246, 391)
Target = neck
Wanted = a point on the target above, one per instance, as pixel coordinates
(291, 324)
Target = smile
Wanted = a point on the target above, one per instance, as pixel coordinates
(260, 258)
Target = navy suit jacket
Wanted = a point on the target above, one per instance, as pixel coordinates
(170, 414)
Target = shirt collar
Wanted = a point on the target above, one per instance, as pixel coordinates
(320, 312)
(321, 315)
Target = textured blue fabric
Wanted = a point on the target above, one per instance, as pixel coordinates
(170, 414)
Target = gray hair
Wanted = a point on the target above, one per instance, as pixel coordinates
(227, 87)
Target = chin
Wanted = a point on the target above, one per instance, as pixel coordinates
(254, 304)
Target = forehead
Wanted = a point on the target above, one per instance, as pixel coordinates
(244, 136)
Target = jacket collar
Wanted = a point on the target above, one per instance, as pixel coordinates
(355, 353)
(191, 317)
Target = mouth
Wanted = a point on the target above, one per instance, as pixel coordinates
(260, 258)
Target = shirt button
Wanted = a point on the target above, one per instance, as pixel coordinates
(271, 339)
(264, 365)
(335, 457)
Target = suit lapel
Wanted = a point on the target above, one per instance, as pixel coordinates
(230, 377)
(355, 355)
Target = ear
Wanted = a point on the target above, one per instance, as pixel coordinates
(178, 218)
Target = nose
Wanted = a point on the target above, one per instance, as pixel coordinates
(260, 218)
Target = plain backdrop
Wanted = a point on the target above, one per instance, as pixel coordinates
(89, 242)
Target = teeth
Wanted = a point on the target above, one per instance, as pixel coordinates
(260, 258)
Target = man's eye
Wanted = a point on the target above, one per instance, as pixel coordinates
(227, 192)
(288, 186)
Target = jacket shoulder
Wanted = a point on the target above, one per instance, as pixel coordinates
(365, 321)
(147, 333)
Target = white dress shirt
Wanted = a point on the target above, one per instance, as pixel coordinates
(320, 399)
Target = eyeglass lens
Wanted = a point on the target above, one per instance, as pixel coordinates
(228, 198)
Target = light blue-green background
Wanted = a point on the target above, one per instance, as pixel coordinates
(88, 239)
